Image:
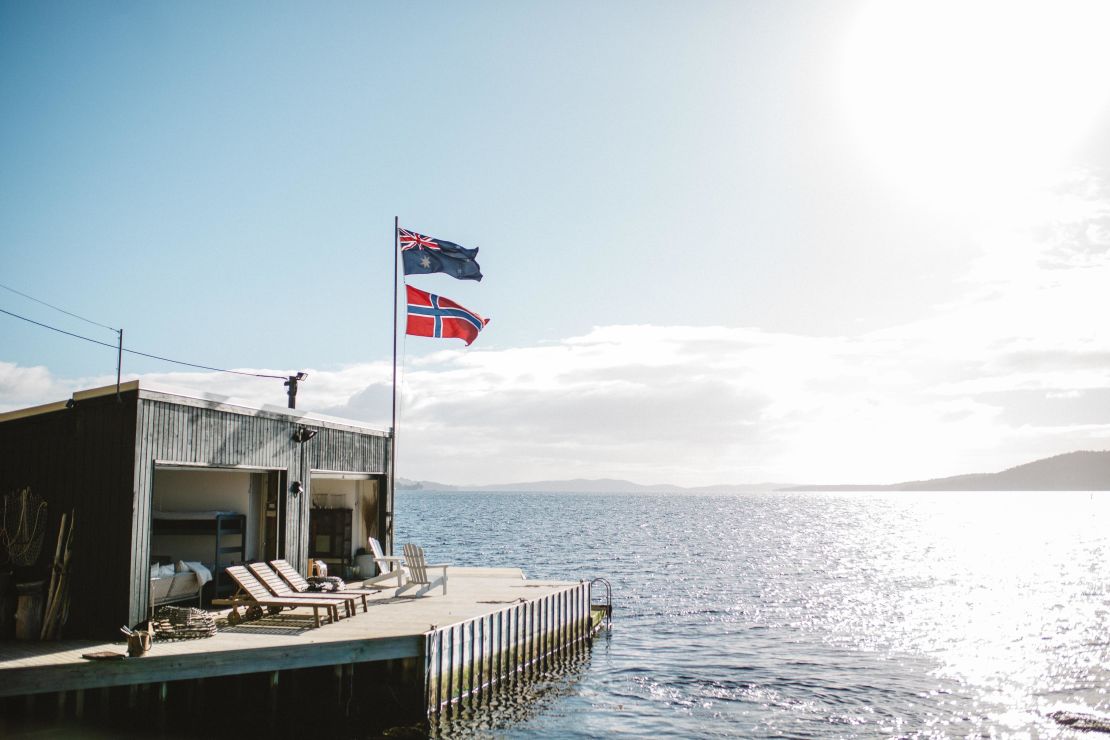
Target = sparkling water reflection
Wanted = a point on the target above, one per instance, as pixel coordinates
(803, 615)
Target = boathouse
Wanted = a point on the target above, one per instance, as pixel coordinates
(154, 476)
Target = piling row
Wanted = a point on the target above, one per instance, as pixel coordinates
(468, 658)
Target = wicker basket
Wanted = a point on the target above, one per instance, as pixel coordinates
(182, 623)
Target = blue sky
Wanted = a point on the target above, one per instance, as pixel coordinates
(723, 241)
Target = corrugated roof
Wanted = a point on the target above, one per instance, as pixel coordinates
(187, 397)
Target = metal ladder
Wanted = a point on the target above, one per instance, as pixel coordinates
(606, 606)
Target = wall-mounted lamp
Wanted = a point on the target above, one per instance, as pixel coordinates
(296, 489)
(303, 434)
(70, 403)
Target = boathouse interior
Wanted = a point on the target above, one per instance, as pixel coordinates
(207, 490)
(344, 514)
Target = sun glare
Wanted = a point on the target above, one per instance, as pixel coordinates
(960, 99)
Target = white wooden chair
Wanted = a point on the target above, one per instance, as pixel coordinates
(390, 568)
(418, 573)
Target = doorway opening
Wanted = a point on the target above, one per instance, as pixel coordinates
(205, 519)
(346, 510)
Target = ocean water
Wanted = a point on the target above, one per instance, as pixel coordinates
(801, 615)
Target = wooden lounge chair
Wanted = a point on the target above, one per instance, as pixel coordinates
(273, 582)
(300, 585)
(390, 568)
(418, 573)
(253, 594)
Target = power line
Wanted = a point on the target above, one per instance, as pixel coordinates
(136, 352)
(50, 305)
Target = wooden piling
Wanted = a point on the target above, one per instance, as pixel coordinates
(466, 661)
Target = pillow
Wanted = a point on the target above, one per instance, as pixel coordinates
(203, 574)
(181, 567)
(166, 571)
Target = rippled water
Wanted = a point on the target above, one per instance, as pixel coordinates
(802, 615)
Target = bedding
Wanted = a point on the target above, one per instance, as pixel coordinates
(177, 581)
(191, 566)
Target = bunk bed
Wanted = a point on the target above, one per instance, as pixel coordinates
(227, 528)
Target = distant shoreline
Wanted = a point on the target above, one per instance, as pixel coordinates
(1072, 471)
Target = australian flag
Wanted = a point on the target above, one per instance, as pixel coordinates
(434, 316)
(422, 255)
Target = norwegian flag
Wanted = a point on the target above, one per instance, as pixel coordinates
(430, 315)
(423, 255)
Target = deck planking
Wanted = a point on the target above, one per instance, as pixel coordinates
(392, 627)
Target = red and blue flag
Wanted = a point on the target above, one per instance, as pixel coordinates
(422, 255)
(430, 315)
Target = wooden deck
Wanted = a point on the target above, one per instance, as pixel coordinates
(393, 627)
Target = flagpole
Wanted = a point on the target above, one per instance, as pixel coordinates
(393, 405)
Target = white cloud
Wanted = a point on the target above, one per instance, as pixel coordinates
(26, 386)
(694, 405)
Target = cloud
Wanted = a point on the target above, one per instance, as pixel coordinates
(699, 405)
(26, 386)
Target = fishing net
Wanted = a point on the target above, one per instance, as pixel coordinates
(22, 528)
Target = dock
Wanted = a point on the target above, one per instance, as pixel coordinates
(402, 657)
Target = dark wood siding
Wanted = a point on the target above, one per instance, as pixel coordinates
(81, 460)
(185, 434)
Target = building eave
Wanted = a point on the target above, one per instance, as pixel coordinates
(199, 399)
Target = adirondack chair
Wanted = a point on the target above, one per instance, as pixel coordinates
(390, 568)
(273, 582)
(253, 595)
(418, 573)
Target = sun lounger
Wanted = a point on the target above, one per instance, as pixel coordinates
(252, 593)
(281, 589)
(300, 585)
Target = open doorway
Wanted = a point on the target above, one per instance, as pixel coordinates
(205, 519)
(346, 510)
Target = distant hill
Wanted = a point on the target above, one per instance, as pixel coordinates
(1072, 471)
(404, 484)
(582, 485)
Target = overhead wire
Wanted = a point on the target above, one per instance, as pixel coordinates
(50, 305)
(132, 351)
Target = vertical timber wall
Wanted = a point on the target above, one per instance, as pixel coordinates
(173, 430)
(468, 658)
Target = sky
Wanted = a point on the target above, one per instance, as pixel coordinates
(723, 242)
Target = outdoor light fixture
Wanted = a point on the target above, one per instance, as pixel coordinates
(292, 385)
(303, 434)
(70, 403)
(296, 489)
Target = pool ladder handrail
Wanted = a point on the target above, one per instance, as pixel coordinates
(607, 605)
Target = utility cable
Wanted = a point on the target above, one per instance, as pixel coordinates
(67, 313)
(136, 352)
